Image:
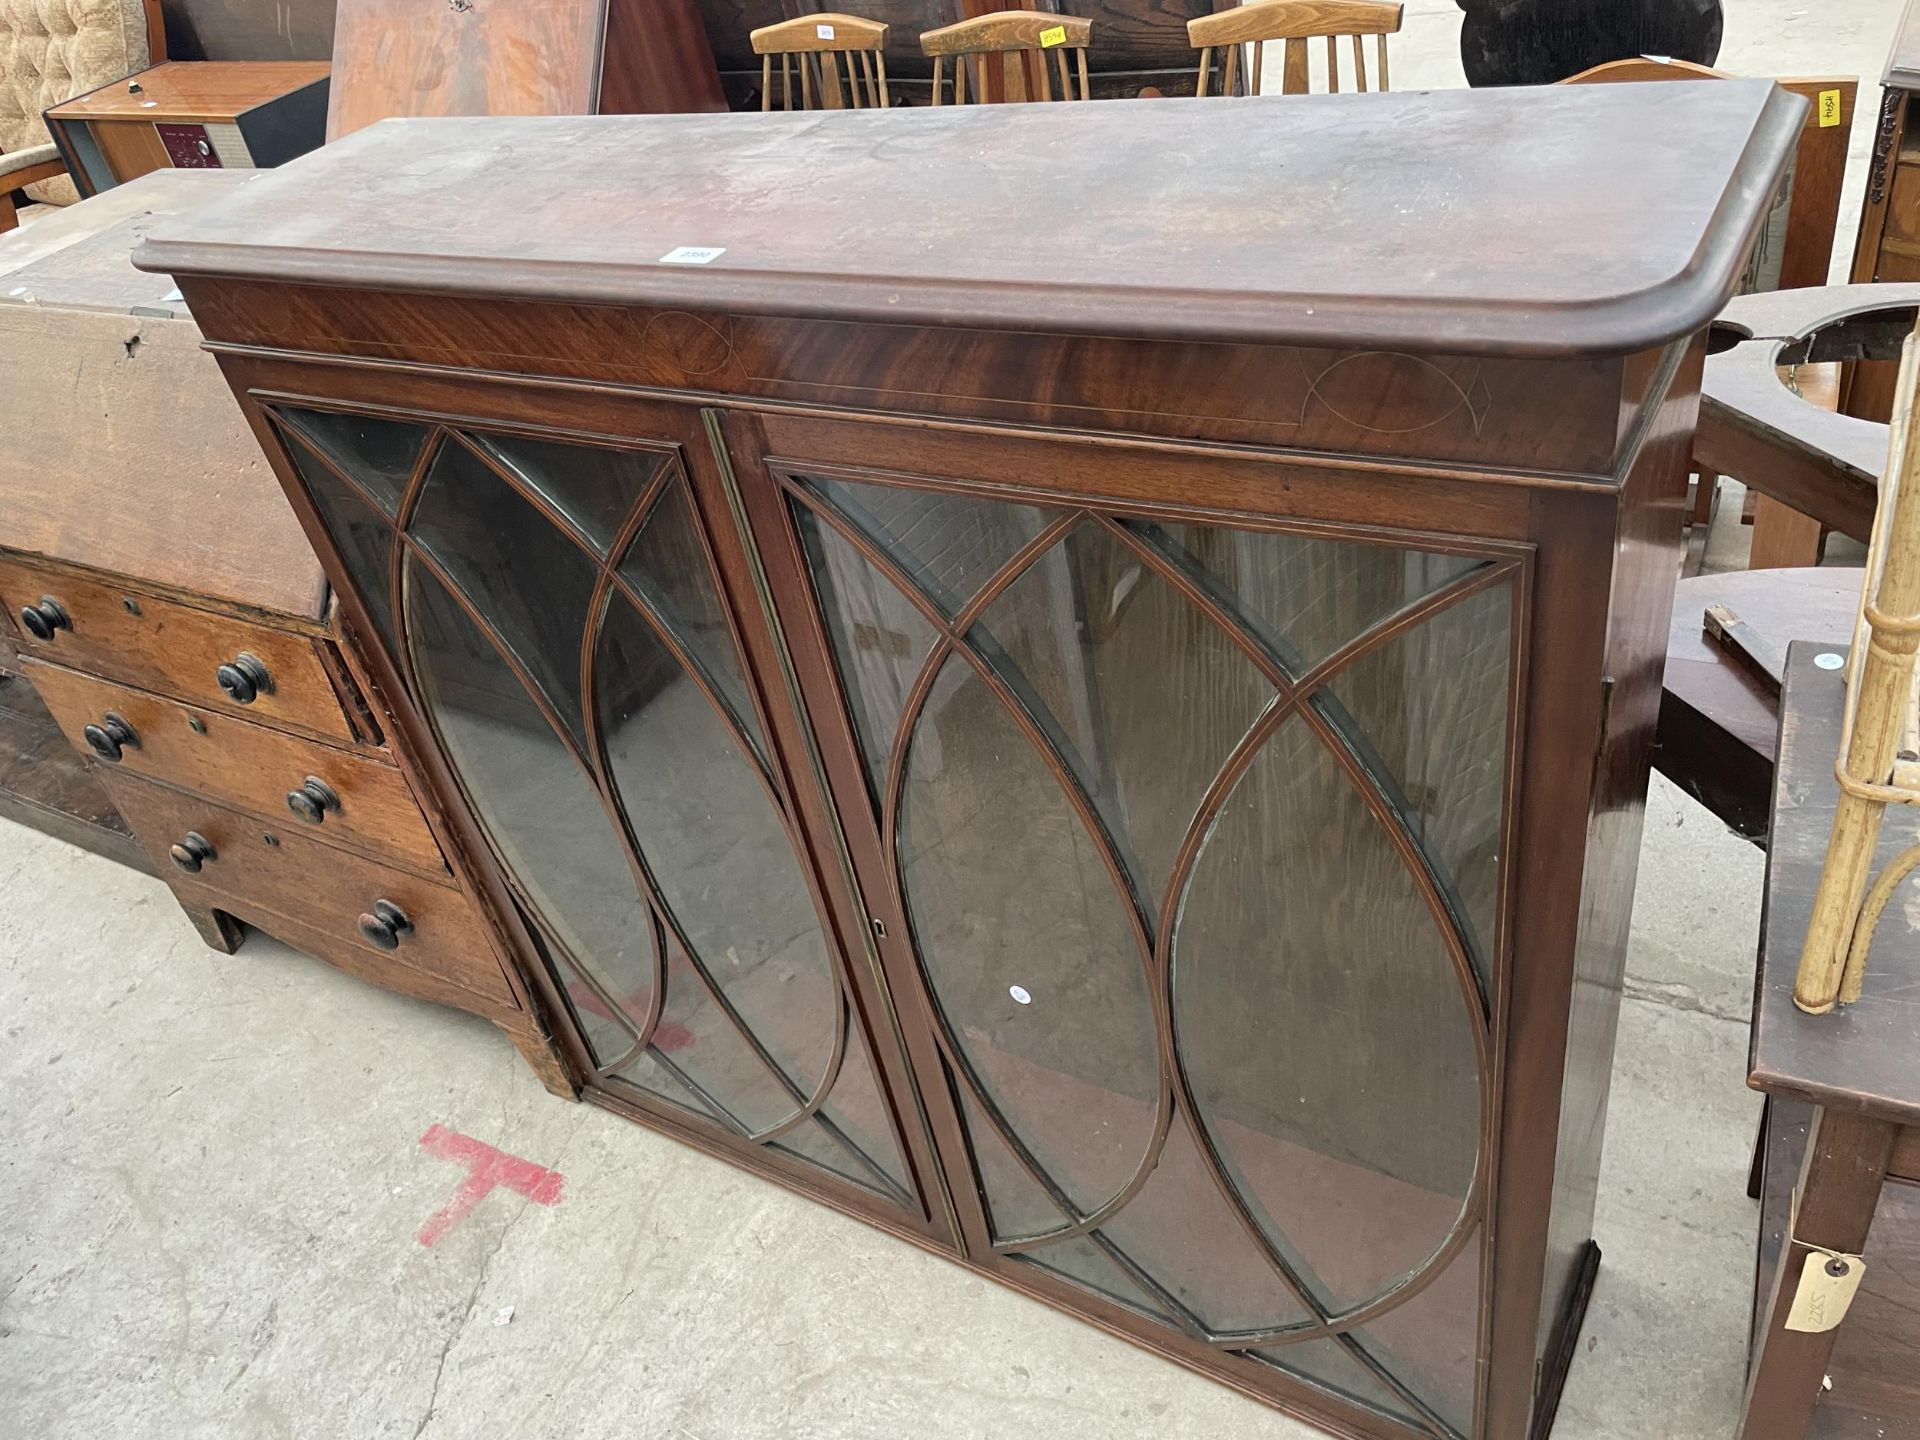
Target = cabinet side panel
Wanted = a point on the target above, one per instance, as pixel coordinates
(1646, 566)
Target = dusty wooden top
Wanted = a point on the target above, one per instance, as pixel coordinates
(1861, 1057)
(1561, 220)
(193, 90)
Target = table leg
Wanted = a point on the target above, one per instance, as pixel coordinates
(1840, 1179)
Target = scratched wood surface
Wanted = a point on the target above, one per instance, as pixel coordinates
(1600, 236)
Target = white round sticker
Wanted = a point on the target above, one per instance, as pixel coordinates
(1020, 995)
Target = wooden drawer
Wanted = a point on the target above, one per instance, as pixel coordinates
(163, 645)
(247, 765)
(277, 868)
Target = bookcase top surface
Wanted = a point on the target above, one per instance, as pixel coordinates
(1558, 221)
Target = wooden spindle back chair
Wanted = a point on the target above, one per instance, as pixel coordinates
(1296, 22)
(818, 46)
(1005, 56)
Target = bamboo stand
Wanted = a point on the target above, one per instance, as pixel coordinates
(1874, 769)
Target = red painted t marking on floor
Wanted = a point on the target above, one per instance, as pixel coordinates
(486, 1168)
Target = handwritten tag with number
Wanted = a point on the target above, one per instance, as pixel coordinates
(1829, 108)
(1053, 35)
(1827, 1286)
(823, 32)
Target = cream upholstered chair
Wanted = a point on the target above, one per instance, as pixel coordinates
(52, 50)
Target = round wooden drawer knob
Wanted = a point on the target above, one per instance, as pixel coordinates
(244, 679)
(108, 737)
(313, 800)
(385, 925)
(193, 852)
(43, 619)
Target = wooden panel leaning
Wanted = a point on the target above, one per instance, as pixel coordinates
(1020, 40)
(1296, 22)
(818, 45)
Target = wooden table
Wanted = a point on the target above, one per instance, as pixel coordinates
(1844, 1096)
(1718, 725)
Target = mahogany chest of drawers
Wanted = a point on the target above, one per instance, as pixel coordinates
(170, 616)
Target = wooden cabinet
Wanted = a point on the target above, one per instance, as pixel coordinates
(191, 115)
(1126, 769)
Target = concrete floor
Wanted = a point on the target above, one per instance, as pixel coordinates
(211, 1175)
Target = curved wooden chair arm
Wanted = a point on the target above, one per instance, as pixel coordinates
(794, 37)
(24, 175)
(1293, 20)
(1007, 30)
(1642, 67)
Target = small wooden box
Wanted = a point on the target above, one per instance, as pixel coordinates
(197, 115)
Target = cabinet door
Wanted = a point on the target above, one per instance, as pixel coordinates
(1193, 826)
(554, 610)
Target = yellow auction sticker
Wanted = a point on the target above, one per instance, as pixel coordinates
(1057, 35)
(1829, 108)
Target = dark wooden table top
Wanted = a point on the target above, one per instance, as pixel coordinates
(1552, 221)
(1863, 1057)
(1717, 725)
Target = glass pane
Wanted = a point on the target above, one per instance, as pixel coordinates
(1325, 1034)
(668, 566)
(1025, 942)
(829, 1147)
(856, 1106)
(1085, 1263)
(364, 538)
(531, 583)
(1016, 1204)
(1430, 1342)
(1304, 595)
(647, 1071)
(1330, 1365)
(719, 854)
(1430, 708)
(541, 813)
(595, 488)
(1143, 695)
(880, 639)
(948, 545)
(707, 1050)
(380, 454)
(608, 1034)
(1181, 1231)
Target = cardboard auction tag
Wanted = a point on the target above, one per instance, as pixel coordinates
(1053, 35)
(1827, 1286)
(1829, 108)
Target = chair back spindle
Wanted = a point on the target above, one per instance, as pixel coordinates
(1296, 23)
(820, 47)
(1011, 55)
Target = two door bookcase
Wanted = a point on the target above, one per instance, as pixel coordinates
(1150, 816)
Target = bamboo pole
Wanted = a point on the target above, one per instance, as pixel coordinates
(1880, 683)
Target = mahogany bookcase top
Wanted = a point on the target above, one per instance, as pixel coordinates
(1584, 220)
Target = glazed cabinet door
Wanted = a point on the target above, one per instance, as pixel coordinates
(554, 608)
(1188, 831)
